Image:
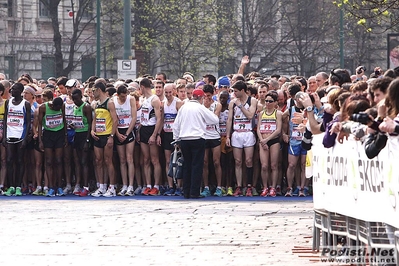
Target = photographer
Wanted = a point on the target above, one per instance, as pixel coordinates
(360, 70)
(353, 105)
(375, 140)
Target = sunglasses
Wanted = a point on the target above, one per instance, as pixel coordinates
(269, 101)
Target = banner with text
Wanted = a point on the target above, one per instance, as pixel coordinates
(345, 181)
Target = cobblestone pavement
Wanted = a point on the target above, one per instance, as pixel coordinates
(154, 232)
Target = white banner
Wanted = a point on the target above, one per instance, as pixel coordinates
(345, 181)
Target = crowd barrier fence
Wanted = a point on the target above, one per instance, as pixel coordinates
(355, 197)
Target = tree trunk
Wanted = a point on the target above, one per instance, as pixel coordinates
(57, 38)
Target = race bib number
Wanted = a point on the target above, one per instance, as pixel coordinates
(78, 122)
(53, 121)
(242, 125)
(267, 127)
(100, 125)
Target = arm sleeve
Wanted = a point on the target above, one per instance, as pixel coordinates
(374, 144)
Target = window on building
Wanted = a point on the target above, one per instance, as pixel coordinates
(9, 66)
(43, 8)
(88, 67)
(10, 8)
(88, 10)
(266, 11)
(48, 67)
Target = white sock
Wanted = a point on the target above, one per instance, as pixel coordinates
(112, 187)
(156, 186)
(149, 186)
(206, 187)
(39, 187)
(130, 188)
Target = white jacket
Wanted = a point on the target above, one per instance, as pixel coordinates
(191, 121)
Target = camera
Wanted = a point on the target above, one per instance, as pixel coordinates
(361, 69)
(365, 119)
(362, 118)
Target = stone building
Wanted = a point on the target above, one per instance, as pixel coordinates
(26, 40)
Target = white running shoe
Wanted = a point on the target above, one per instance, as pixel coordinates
(97, 193)
(123, 191)
(76, 190)
(130, 192)
(110, 193)
(67, 190)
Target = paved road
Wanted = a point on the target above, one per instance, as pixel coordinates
(154, 232)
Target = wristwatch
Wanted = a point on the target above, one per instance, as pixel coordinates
(309, 109)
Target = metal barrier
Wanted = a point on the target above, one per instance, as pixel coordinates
(330, 227)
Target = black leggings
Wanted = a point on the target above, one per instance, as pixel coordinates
(15, 162)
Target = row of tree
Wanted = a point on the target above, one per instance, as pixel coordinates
(175, 36)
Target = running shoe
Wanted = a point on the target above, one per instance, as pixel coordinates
(10, 191)
(50, 193)
(265, 192)
(67, 190)
(230, 191)
(24, 191)
(85, 192)
(289, 192)
(18, 191)
(206, 192)
(137, 191)
(37, 192)
(218, 192)
(178, 192)
(146, 191)
(98, 193)
(45, 192)
(111, 192)
(31, 189)
(129, 192)
(278, 191)
(123, 191)
(306, 191)
(238, 192)
(296, 192)
(224, 191)
(154, 192)
(162, 190)
(248, 193)
(77, 190)
(254, 192)
(301, 193)
(60, 192)
(169, 192)
(272, 192)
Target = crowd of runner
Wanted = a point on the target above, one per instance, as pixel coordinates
(105, 137)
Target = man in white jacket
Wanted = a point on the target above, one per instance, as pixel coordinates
(189, 128)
